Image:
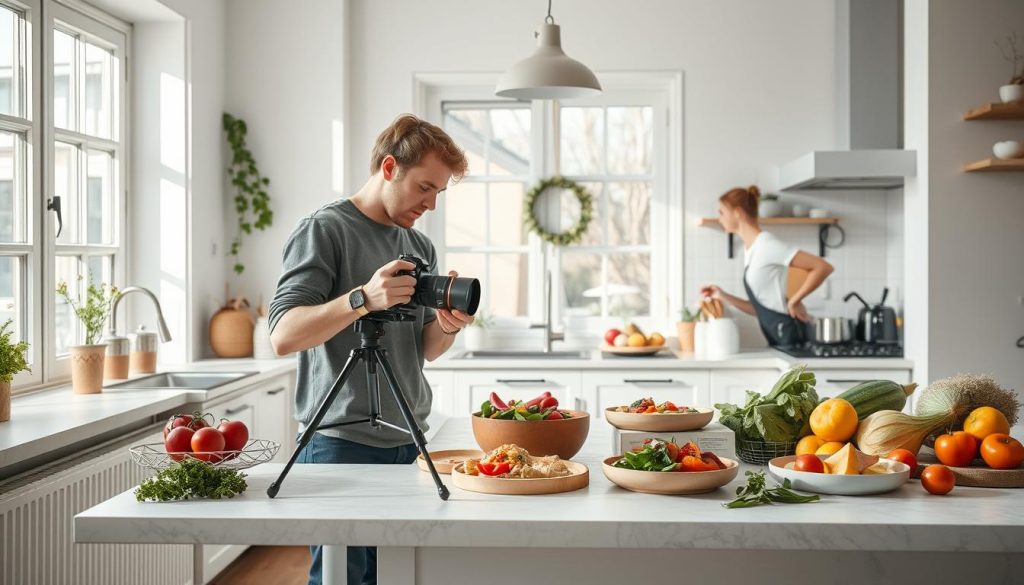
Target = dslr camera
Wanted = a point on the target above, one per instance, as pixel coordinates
(441, 292)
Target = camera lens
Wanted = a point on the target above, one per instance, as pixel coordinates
(448, 292)
(464, 294)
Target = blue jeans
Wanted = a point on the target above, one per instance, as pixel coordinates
(362, 560)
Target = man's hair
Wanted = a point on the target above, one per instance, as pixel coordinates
(409, 139)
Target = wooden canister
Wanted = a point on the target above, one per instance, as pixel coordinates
(231, 330)
(5, 401)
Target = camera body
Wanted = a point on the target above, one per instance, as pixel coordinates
(441, 292)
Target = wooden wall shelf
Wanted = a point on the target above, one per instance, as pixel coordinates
(997, 111)
(823, 223)
(990, 165)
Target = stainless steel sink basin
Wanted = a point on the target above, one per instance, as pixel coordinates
(525, 355)
(184, 380)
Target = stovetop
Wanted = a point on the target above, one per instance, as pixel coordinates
(843, 350)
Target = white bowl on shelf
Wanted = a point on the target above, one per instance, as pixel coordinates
(818, 212)
(1008, 149)
(1011, 93)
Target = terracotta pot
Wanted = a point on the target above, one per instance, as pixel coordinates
(686, 329)
(231, 330)
(564, 438)
(5, 401)
(87, 368)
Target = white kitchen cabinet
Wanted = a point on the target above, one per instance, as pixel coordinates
(442, 386)
(730, 386)
(273, 414)
(471, 388)
(603, 389)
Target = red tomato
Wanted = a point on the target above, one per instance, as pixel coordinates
(494, 468)
(904, 456)
(548, 402)
(1002, 451)
(179, 440)
(610, 335)
(184, 420)
(808, 462)
(938, 479)
(690, 449)
(957, 449)
(690, 463)
(555, 415)
(206, 443)
(236, 434)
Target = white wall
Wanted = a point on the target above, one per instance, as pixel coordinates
(966, 310)
(285, 74)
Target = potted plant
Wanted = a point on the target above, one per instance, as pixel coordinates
(1013, 91)
(476, 333)
(87, 359)
(770, 206)
(687, 324)
(12, 361)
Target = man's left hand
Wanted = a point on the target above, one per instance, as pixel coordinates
(452, 322)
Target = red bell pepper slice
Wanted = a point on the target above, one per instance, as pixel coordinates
(498, 403)
(690, 463)
(548, 402)
(709, 456)
(494, 468)
(555, 415)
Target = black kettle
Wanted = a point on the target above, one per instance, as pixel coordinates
(876, 324)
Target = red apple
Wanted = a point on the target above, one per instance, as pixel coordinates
(808, 462)
(610, 335)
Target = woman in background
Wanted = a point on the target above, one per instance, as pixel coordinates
(766, 261)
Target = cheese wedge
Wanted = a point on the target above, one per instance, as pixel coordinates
(849, 461)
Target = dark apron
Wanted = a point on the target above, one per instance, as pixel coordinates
(779, 328)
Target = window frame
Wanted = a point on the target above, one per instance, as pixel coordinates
(432, 90)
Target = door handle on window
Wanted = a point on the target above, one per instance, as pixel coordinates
(53, 204)
(517, 381)
(234, 411)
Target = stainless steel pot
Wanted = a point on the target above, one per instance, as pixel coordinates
(832, 330)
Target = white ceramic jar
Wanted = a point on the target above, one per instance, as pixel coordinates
(723, 338)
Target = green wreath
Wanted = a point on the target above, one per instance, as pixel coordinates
(574, 234)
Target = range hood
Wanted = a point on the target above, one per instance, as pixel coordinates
(869, 107)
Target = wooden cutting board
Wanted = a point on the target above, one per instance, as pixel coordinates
(977, 475)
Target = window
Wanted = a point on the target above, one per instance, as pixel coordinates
(617, 146)
(66, 58)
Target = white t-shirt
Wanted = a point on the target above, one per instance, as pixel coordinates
(767, 261)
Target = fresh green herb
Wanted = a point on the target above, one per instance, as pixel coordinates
(756, 493)
(252, 203)
(93, 313)
(782, 415)
(653, 456)
(189, 479)
(12, 355)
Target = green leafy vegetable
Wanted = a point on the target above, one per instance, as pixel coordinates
(756, 493)
(190, 479)
(782, 415)
(652, 457)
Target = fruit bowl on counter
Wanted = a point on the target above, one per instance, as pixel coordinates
(631, 341)
(848, 472)
(155, 456)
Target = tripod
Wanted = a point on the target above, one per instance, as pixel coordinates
(371, 329)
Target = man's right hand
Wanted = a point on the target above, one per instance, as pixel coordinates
(387, 289)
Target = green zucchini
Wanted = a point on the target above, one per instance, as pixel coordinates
(875, 395)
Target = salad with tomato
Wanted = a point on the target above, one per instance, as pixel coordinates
(542, 407)
(661, 455)
(648, 406)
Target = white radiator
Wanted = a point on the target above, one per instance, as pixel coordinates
(36, 534)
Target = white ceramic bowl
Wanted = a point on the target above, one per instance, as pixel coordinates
(1011, 93)
(840, 485)
(1008, 149)
(818, 212)
(669, 422)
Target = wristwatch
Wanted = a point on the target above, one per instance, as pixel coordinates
(357, 300)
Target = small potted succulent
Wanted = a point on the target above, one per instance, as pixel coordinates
(12, 361)
(686, 327)
(87, 359)
(1014, 90)
(770, 206)
(476, 333)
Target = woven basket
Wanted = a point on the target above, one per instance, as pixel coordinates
(231, 330)
(761, 452)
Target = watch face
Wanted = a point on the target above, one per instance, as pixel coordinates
(356, 299)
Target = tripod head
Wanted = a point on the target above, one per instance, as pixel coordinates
(371, 327)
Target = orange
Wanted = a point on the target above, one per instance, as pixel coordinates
(830, 448)
(834, 420)
(809, 444)
(985, 421)
(636, 340)
(656, 340)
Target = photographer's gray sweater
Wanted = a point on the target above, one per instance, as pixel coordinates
(332, 251)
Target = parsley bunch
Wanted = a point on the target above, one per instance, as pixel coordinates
(757, 492)
(189, 479)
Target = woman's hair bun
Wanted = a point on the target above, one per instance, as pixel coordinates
(753, 190)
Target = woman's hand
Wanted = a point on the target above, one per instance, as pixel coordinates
(710, 290)
(798, 311)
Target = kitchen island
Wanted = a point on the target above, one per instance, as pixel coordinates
(600, 534)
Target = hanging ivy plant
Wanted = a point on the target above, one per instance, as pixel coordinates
(252, 203)
(574, 234)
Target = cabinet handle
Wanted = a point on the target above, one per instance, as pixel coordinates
(580, 404)
(517, 381)
(233, 411)
(639, 381)
(275, 391)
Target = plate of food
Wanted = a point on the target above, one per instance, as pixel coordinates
(632, 351)
(511, 470)
(666, 417)
(444, 461)
(847, 472)
(539, 425)
(667, 468)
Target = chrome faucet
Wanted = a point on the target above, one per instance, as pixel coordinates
(549, 336)
(165, 333)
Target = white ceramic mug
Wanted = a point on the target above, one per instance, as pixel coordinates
(723, 338)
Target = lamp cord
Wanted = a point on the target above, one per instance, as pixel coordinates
(549, 19)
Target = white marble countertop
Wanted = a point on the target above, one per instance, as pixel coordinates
(56, 417)
(388, 505)
(668, 360)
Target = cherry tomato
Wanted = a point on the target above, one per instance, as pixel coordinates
(808, 462)
(179, 440)
(207, 442)
(938, 479)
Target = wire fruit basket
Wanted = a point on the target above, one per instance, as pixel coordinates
(255, 451)
(761, 452)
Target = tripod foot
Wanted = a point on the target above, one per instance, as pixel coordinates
(442, 491)
(274, 487)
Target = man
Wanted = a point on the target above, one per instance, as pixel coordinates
(341, 263)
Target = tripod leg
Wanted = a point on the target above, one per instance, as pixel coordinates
(321, 412)
(417, 435)
(373, 388)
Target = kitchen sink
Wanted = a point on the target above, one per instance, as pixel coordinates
(184, 380)
(525, 355)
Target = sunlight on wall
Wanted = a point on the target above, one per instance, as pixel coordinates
(172, 123)
(338, 156)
